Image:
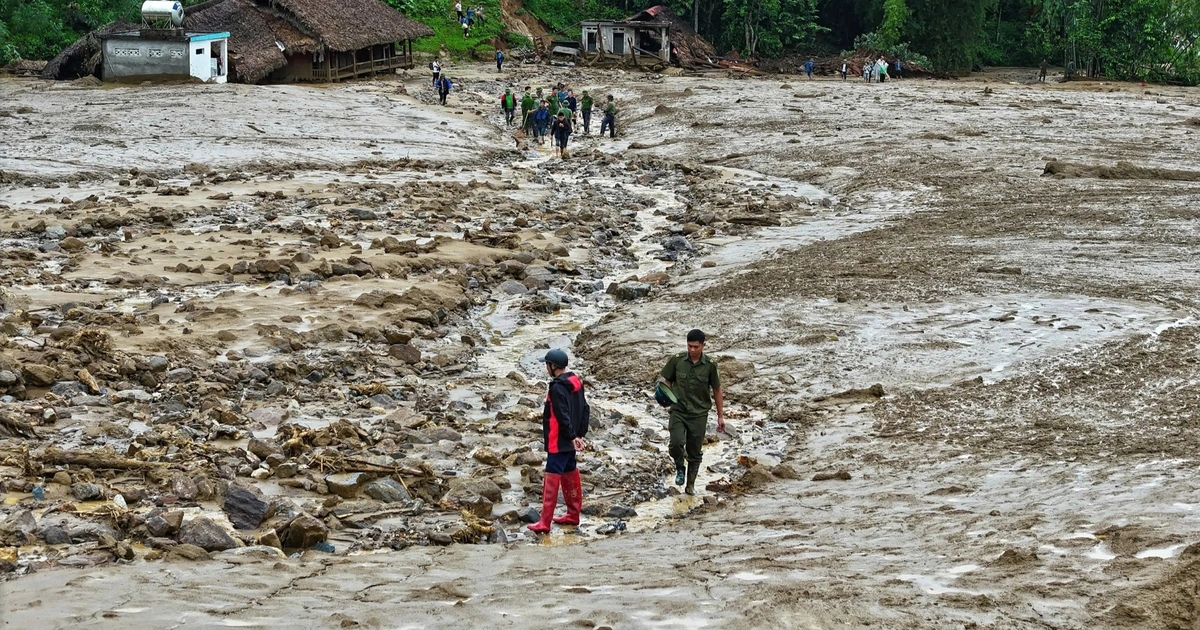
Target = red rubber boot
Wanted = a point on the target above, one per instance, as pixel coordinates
(550, 485)
(572, 488)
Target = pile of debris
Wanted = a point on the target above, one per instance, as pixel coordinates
(24, 68)
(832, 65)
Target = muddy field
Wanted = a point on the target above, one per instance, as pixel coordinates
(270, 354)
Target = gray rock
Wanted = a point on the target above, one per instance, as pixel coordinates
(133, 395)
(404, 352)
(387, 490)
(55, 535)
(345, 485)
(304, 531)
(287, 469)
(69, 389)
(498, 535)
(40, 375)
(8, 377)
(87, 491)
(258, 552)
(180, 375)
(362, 214)
(632, 291)
(512, 287)
(529, 515)
(677, 244)
(275, 388)
(262, 448)
(246, 508)
(481, 486)
(206, 534)
(620, 511)
(438, 434)
(154, 363)
(56, 232)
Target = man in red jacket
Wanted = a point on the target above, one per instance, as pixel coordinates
(564, 425)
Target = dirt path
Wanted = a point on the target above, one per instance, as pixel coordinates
(1024, 463)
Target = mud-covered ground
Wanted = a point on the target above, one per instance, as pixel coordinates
(277, 359)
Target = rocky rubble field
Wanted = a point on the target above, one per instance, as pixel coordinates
(955, 319)
(251, 360)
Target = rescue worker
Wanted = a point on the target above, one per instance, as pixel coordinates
(610, 118)
(692, 376)
(564, 425)
(527, 104)
(585, 106)
(508, 102)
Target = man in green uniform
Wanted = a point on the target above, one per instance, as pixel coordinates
(692, 375)
(527, 105)
(585, 105)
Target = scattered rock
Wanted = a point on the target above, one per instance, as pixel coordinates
(246, 508)
(387, 490)
(840, 475)
(87, 492)
(303, 532)
(206, 534)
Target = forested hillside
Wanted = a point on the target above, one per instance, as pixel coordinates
(1152, 40)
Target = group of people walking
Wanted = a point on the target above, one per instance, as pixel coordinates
(469, 17)
(688, 384)
(556, 112)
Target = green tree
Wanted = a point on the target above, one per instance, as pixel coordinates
(895, 16)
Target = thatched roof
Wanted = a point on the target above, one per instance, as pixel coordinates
(258, 28)
(353, 24)
(253, 33)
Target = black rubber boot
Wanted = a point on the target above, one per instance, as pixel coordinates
(693, 469)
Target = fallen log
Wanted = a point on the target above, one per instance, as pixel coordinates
(96, 459)
(15, 427)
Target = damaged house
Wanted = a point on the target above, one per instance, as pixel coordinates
(656, 36)
(283, 41)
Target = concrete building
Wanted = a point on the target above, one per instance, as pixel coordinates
(164, 54)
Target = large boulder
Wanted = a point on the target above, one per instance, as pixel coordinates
(304, 531)
(246, 507)
(206, 534)
(387, 490)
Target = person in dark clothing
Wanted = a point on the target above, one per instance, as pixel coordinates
(691, 376)
(564, 425)
(610, 118)
(808, 68)
(443, 89)
(541, 122)
(561, 131)
(899, 67)
(499, 61)
(1042, 71)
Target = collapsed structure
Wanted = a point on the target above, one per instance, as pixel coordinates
(280, 41)
(656, 36)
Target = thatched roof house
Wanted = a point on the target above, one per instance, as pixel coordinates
(296, 40)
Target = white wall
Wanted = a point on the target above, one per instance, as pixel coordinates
(201, 66)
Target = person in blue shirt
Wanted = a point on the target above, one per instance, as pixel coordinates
(541, 122)
(499, 61)
(471, 17)
(443, 89)
(899, 67)
(808, 68)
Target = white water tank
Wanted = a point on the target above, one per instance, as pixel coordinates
(163, 10)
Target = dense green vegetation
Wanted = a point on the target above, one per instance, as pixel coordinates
(1152, 40)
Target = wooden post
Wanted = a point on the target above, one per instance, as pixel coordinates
(371, 58)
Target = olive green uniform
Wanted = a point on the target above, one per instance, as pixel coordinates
(692, 384)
